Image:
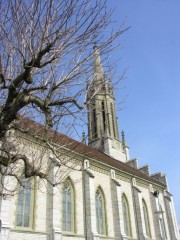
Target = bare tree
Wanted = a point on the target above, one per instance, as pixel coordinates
(45, 62)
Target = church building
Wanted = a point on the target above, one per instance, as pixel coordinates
(108, 198)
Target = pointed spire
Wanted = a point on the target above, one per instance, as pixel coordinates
(97, 61)
(98, 68)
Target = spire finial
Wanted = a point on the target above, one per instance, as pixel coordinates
(83, 137)
(123, 139)
(95, 45)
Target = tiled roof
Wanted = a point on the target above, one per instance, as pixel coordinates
(63, 140)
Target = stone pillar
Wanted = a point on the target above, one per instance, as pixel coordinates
(117, 210)
(5, 216)
(5, 230)
(89, 206)
(56, 215)
(137, 198)
(171, 217)
(53, 209)
(56, 234)
(155, 209)
(159, 214)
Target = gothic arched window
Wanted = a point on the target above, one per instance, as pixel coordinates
(100, 212)
(103, 116)
(126, 216)
(24, 213)
(146, 219)
(94, 123)
(113, 120)
(68, 207)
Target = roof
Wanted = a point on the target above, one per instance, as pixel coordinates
(38, 129)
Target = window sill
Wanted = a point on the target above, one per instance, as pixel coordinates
(71, 234)
(27, 230)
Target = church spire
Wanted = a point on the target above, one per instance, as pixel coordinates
(102, 122)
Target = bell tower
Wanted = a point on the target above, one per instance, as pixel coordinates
(102, 122)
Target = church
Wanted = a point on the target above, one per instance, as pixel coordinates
(107, 198)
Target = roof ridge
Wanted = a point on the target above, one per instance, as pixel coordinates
(83, 148)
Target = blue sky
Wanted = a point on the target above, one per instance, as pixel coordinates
(151, 110)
